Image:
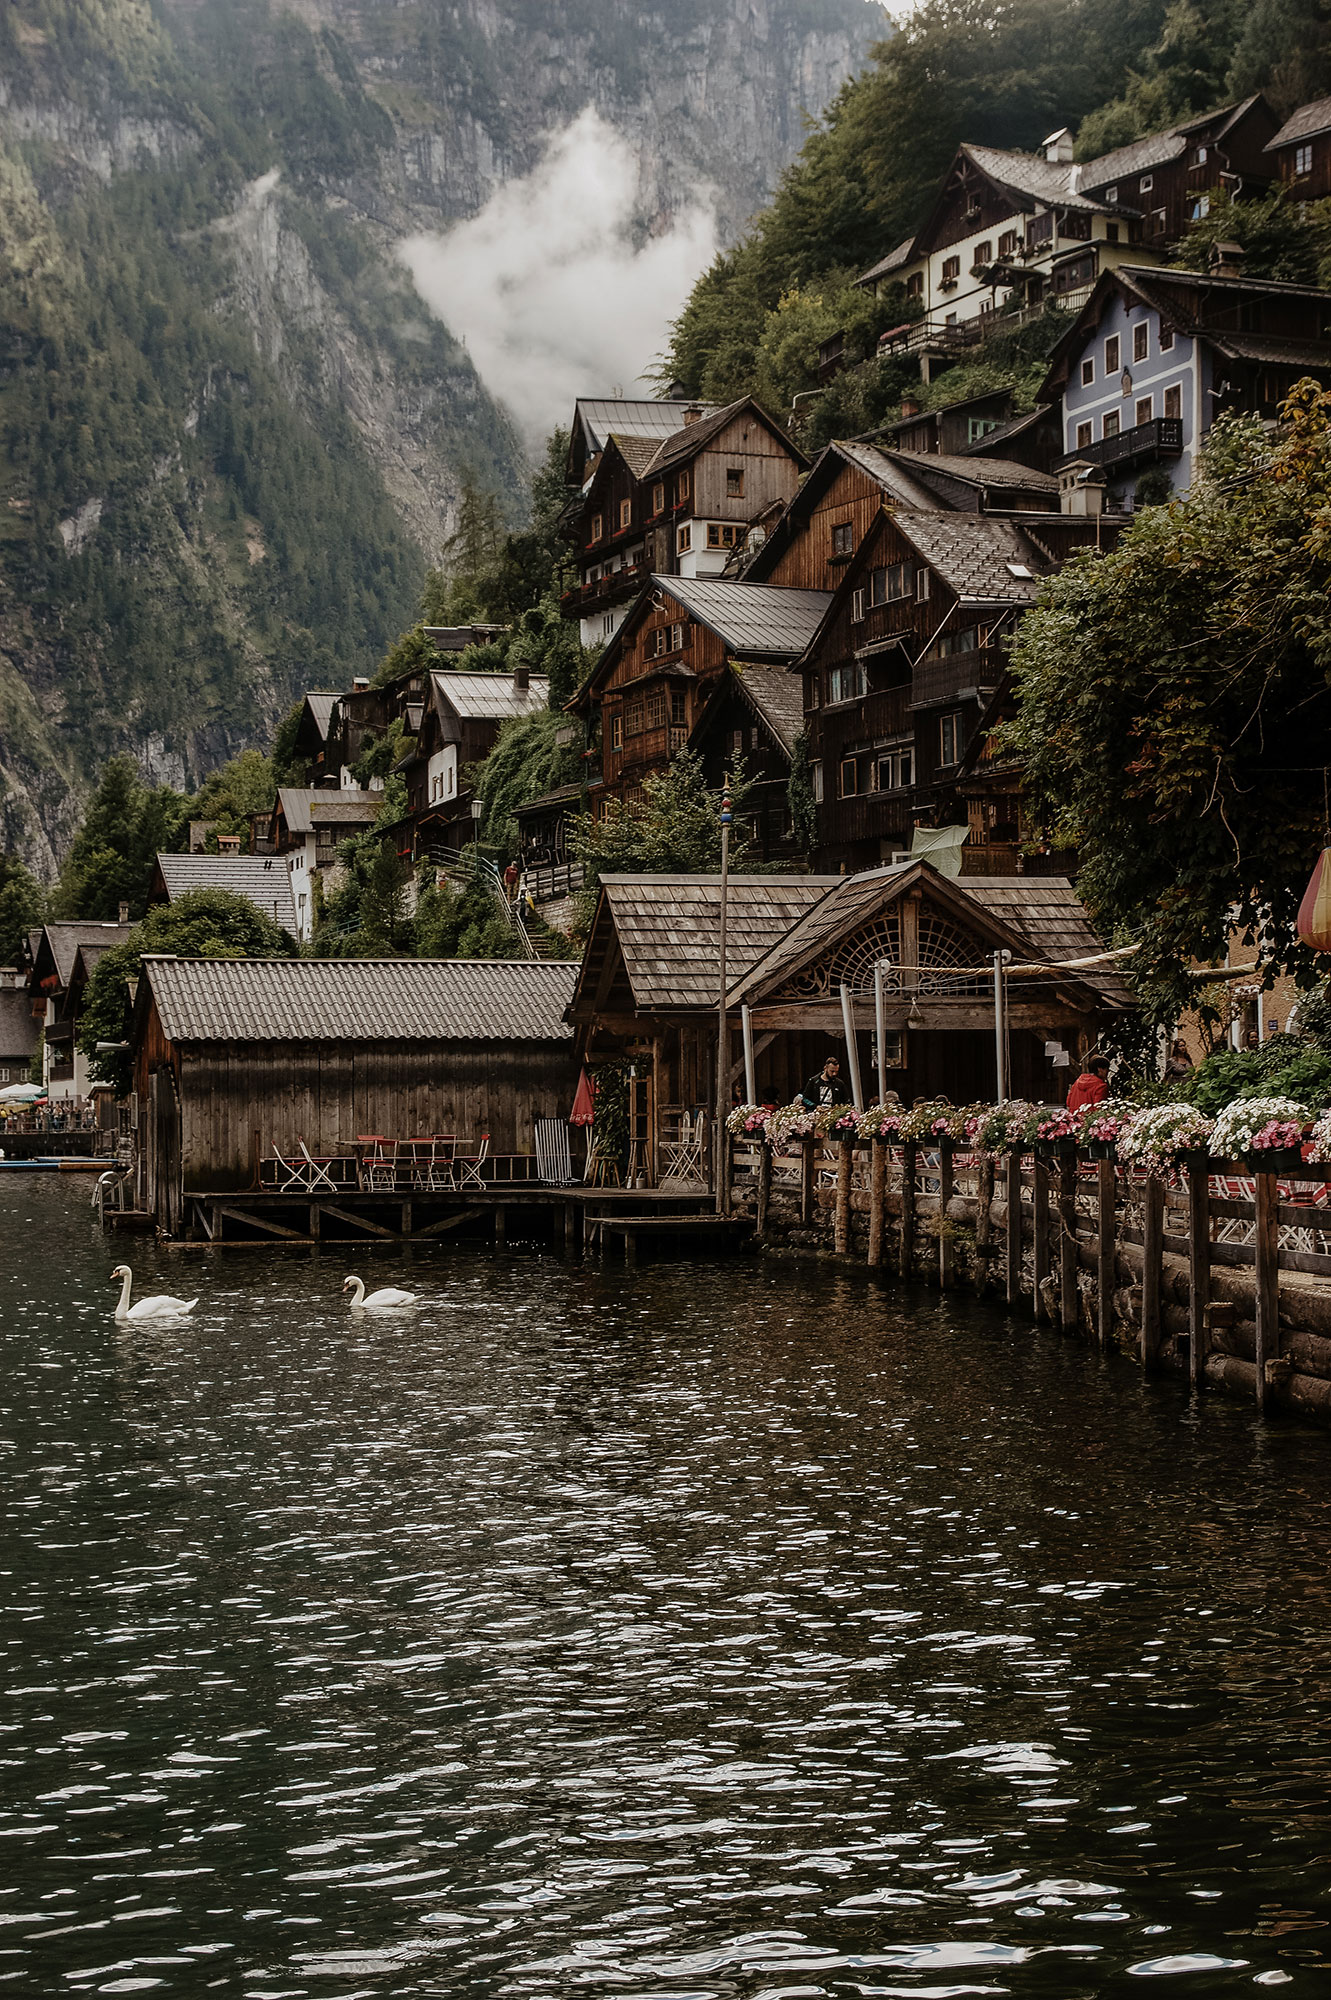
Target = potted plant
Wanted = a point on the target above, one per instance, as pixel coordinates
(995, 1128)
(1267, 1132)
(1098, 1127)
(1056, 1135)
(880, 1121)
(749, 1121)
(1159, 1136)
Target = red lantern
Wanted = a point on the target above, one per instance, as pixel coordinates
(1315, 910)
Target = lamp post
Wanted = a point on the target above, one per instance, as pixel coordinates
(722, 1026)
(476, 810)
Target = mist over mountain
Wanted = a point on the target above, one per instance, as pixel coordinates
(267, 270)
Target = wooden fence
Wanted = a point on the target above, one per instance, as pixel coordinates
(1078, 1239)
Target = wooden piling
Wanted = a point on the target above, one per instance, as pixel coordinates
(1266, 1282)
(877, 1202)
(1153, 1251)
(946, 1246)
(807, 1148)
(1040, 1232)
(1199, 1268)
(905, 1249)
(1068, 1298)
(764, 1188)
(845, 1162)
(1014, 1227)
(984, 1206)
(1106, 1251)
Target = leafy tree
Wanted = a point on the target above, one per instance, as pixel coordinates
(674, 828)
(1280, 239)
(462, 921)
(111, 858)
(799, 795)
(368, 915)
(22, 907)
(1173, 700)
(245, 785)
(526, 762)
(382, 753)
(205, 923)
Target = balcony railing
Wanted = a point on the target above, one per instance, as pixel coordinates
(1161, 438)
(597, 592)
(935, 681)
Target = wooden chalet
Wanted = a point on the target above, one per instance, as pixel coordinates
(233, 1058)
(262, 879)
(679, 504)
(648, 691)
(63, 956)
(751, 721)
(904, 667)
(307, 828)
(935, 939)
(462, 717)
(18, 1028)
(1301, 152)
(987, 426)
(315, 735)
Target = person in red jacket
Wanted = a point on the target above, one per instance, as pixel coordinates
(1091, 1085)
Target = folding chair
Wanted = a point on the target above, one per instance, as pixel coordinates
(318, 1177)
(380, 1168)
(554, 1161)
(468, 1166)
(439, 1176)
(288, 1174)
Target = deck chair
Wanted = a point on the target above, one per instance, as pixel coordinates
(468, 1166)
(554, 1161)
(286, 1173)
(318, 1177)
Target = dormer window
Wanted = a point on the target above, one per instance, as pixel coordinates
(1146, 183)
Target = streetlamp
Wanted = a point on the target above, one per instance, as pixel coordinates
(476, 810)
(722, 1026)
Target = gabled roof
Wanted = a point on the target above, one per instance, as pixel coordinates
(980, 473)
(893, 261)
(320, 708)
(359, 1000)
(693, 437)
(18, 1028)
(304, 810)
(976, 556)
(667, 930)
(636, 452)
(892, 474)
(777, 694)
(750, 619)
(263, 879)
(58, 944)
(606, 416)
(1308, 122)
(1029, 177)
(489, 697)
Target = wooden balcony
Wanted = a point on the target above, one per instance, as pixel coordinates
(599, 594)
(960, 676)
(1162, 438)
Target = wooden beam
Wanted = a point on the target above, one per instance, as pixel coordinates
(877, 1202)
(946, 1247)
(1267, 1260)
(361, 1222)
(1106, 1251)
(905, 1248)
(1153, 1247)
(1199, 1269)
(1068, 1297)
(448, 1222)
(260, 1222)
(761, 1043)
(1013, 1244)
(845, 1160)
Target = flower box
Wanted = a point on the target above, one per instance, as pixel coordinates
(1101, 1149)
(1275, 1159)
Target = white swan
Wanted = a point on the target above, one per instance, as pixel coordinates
(163, 1306)
(380, 1301)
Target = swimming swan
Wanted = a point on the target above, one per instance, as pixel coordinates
(377, 1301)
(161, 1307)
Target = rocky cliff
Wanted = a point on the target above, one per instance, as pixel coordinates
(233, 433)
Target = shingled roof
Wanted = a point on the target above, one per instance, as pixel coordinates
(1305, 123)
(58, 945)
(355, 1001)
(778, 696)
(668, 929)
(983, 560)
(263, 879)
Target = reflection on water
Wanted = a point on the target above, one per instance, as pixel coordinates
(724, 1631)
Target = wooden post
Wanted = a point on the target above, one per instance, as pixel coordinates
(1013, 1226)
(909, 1158)
(946, 1247)
(1267, 1277)
(501, 1222)
(1153, 1249)
(1040, 1192)
(877, 1202)
(764, 1185)
(1106, 1253)
(1068, 1305)
(845, 1161)
(1199, 1268)
(806, 1178)
(984, 1205)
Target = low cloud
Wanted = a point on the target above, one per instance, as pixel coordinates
(547, 284)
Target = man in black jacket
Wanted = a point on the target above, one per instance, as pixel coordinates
(826, 1087)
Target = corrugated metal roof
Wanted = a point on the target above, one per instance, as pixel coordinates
(975, 556)
(778, 695)
(321, 707)
(751, 617)
(1305, 123)
(669, 928)
(358, 1001)
(605, 416)
(485, 697)
(263, 879)
(302, 808)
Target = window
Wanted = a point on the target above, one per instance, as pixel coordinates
(1110, 426)
(816, 776)
(1174, 401)
(982, 254)
(597, 527)
(895, 771)
(1007, 243)
(1146, 183)
(725, 534)
(857, 607)
(922, 586)
(682, 485)
(1165, 337)
(951, 270)
(963, 641)
(1303, 160)
(679, 707)
(658, 497)
(1200, 208)
(1141, 340)
(949, 738)
(683, 540)
(625, 514)
(1111, 232)
(1111, 197)
(1113, 355)
(1087, 374)
(1199, 157)
(633, 718)
(616, 731)
(915, 285)
(1040, 229)
(849, 778)
(811, 691)
(1145, 409)
(842, 542)
(846, 682)
(1085, 433)
(734, 482)
(978, 427)
(655, 709)
(894, 581)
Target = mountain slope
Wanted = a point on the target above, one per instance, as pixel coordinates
(233, 435)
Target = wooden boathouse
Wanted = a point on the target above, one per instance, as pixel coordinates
(241, 1063)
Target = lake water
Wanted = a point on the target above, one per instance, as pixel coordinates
(726, 1630)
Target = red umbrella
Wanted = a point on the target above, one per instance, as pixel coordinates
(584, 1103)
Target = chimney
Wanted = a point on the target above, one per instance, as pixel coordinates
(909, 407)
(693, 414)
(124, 913)
(521, 679)
(359, 685)
(1225, 260)
(1081, 488)
(1058, 147)
(228, 843)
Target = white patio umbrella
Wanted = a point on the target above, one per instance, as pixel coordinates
(22, 1093)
